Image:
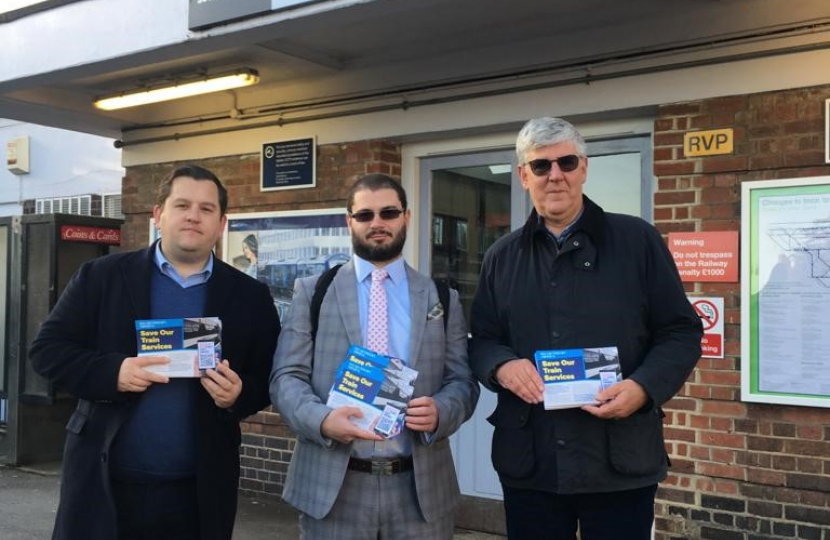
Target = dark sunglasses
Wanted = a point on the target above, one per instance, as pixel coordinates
(542, 166)
(387, 214)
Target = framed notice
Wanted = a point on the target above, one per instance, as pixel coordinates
(288, 164)
(785, 292)
(279, 247)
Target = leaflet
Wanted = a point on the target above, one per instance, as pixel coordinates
(380, 386)
(573, 377)
(192, 344)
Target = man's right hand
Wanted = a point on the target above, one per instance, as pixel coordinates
(132, 377)
(338, 426)
(520, 377)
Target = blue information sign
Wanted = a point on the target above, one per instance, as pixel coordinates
(288, 164)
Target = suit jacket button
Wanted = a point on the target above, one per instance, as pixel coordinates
(103, 457)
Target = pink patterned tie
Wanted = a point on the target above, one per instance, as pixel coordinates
(377, 333)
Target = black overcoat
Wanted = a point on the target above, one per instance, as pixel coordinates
(80, 348)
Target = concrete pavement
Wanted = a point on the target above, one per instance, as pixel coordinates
(29, 498)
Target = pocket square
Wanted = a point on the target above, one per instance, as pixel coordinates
(435, 312)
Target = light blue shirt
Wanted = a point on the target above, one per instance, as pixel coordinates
(170, 271)
(400, 323)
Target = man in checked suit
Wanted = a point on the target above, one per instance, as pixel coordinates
(347, 482)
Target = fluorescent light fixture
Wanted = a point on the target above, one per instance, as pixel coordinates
(500, 169)
(184, 88)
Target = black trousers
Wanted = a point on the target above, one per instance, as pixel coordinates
(166, 510)
(538, 515)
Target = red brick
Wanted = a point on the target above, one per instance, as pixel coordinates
(728, 104)
(807, 448)
(668, 139)
(674, 168)
(724, 163)
(705, 485)
(681, 404)
(674, 197)
(663, 214)
(701, 212)
(721, 455)
(722, 424)
(722, 408)
(703, 181)
(700, 122)
(701, 453)
(677, 434)
(770, 478)
(663, 154)
(679, 226)
(725, 393)
(813, 432)
(678, 109)
(664, 124)
(713, 438)
(806, 125)
(804, 159)
(721, 225)
(719, 470)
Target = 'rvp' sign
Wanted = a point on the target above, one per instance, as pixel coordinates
(708, 143)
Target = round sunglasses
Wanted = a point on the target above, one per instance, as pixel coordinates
(542, 166)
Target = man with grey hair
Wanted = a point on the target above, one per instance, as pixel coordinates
(573, 277)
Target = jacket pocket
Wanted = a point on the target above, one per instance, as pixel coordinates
(79, 418)
(512, 453)
(635, 444)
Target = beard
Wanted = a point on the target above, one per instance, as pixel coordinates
(379, 253)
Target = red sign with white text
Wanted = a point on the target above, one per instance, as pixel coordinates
(94, 235)
(706, 256)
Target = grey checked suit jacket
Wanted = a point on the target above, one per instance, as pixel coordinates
(301, 379)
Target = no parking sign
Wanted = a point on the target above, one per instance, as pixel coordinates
(710, 311)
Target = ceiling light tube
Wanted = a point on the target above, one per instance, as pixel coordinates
(215, 83)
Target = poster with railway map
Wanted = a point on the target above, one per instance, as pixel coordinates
(785, 292)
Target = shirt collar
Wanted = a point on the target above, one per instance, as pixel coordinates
(167, 267)
(396, 269)
(566, 232)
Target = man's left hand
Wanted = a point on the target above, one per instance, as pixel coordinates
(223, 385)
(621, 400)
(422, 414)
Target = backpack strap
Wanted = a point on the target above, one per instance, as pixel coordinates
(443, 288)
(320, 289)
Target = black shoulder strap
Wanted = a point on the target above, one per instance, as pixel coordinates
(319, 293)
(443, 289)
(327, 277)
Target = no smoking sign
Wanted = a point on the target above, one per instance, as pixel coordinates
(710, 311)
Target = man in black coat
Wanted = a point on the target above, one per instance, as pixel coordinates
(578, 277)
(149, 456)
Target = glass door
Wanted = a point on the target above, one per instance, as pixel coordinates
(469, 201)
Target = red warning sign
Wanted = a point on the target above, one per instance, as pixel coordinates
(710, 311)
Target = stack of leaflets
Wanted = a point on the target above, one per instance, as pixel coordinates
(573, 377)
(380, 386)
(192, 345)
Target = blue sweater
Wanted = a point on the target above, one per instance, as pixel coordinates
(158, 442)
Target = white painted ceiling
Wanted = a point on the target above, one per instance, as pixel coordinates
(388, 51)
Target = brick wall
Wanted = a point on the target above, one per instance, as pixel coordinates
(740, 471)
(267, 443)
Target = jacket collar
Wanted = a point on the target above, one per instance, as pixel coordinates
(592, 223)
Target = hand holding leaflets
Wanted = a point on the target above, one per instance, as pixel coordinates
(578, 377)
(375, 390)
(191, 345)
